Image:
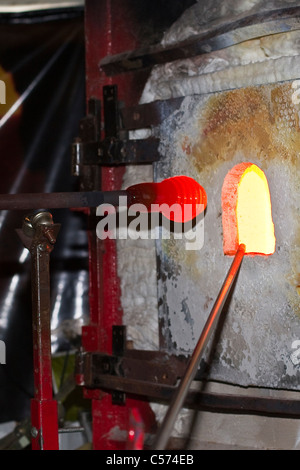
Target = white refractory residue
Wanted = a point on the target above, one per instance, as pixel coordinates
(137, 271)
(204, 16)
(260, 61)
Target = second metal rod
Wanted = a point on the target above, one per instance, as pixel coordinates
(62, 200)
(180, 394)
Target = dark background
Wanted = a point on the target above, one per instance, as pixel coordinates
(45, 54)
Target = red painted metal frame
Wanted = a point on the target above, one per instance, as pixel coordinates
(109, 29)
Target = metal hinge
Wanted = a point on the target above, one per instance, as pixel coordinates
(116, 148)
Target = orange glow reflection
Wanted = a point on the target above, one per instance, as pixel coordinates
(247, 211)
(11, 94)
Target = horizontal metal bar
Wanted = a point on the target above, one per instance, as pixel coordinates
(159, 368)
(231, 33)
(29, 201)
(113, 152)
(149, 114)
(70, 430)
(211, 402)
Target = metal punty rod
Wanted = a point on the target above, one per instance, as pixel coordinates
(61, 200)
(183, 388)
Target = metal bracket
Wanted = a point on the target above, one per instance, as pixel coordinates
(114, 152)
(116, 148)
(118, 349)
(142, 367)
(152, 376)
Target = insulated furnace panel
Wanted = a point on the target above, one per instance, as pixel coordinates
(257, 343)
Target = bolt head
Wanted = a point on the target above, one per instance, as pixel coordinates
(34, 432)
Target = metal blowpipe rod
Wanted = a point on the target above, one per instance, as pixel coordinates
(180, 394)
(62, 200)
(170, 191)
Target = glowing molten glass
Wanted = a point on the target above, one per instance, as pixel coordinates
(179, 198)
(247, 211)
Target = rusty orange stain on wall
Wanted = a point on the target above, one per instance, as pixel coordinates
(261, 121)
(256, 122)
(186, 145)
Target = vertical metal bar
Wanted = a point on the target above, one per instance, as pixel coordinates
(183, 388)
(39, 239)
(111, 111)
(40, 284)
